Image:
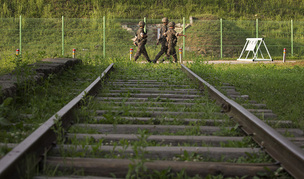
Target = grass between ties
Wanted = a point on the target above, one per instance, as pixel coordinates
(35, 105)
(126, 70)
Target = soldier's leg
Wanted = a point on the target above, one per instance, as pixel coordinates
(170, 52)
(145, 54)
(174, 55)
(162, 51)
(157, 56)
(175, 58)
(137, 54)
(166, 54)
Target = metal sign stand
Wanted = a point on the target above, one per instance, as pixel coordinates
(253, 45)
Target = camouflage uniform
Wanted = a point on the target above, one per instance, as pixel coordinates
(171, 36)
(141, 40)
(162, 40)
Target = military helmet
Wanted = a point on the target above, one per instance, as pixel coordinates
(141, 23)
(165, 20)
(171, 24)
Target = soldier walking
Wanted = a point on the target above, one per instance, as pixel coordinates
(162, 40)
(140, 41)
(171, 36)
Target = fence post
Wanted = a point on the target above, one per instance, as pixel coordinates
(257, 28)
(104, 36)
(74, 53)
(131, 52)
(62, 36)
(221, 29)
(145, 28)
(291, 51)
(284, 55)
(184, 39)
(20, 35)
(180, 56)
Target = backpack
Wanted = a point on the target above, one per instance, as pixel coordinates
(171, 37)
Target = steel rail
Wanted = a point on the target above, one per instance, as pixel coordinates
(30, 151)
(287, 154)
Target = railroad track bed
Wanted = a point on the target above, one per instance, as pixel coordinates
(151, 122)
(161, 122)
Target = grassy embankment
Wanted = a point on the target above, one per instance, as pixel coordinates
(227, 9)
(279, 86)
(34, 104)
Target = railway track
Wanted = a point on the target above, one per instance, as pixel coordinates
(157, 123)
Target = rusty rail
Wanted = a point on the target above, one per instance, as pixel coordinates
(31, 150)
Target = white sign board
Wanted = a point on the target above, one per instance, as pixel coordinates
(254, 45)
(251, 45)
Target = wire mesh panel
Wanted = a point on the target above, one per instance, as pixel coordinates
(41, 36)
(234, 36)
(9, 35)
(208, 38)
(203, 39)
(277, 36)
(119, 35)
(298, 39)
(83, 35)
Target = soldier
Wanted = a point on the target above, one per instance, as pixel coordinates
(162, 40)
(140, 41)
(171, 36)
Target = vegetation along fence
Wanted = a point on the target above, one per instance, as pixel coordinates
(212, 39)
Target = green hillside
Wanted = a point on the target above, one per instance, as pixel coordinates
(226, 9)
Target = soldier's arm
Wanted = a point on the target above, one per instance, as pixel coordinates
(159, 36)
(178, 34)
(143, 35)
(135, 41)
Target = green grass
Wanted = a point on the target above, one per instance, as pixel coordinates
(279, 86)
(36, 100)
(34, 104)
(286, 9)
(151, 71)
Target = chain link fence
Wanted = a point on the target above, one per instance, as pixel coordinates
(207, 39)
